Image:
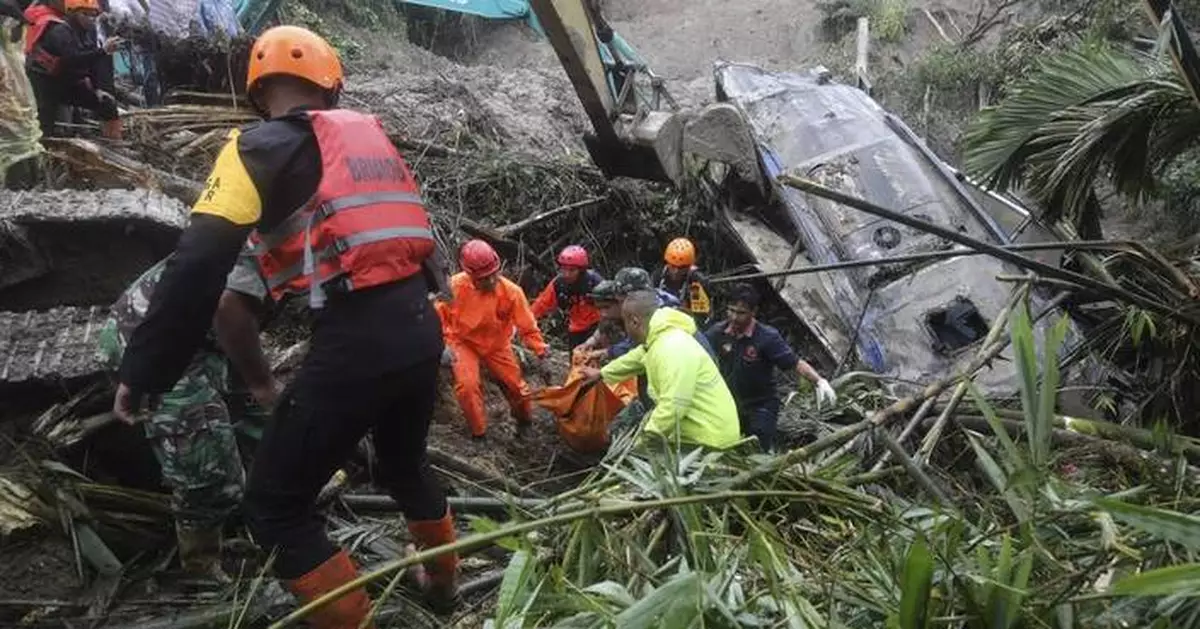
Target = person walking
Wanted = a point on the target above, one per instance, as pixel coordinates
(331, 212)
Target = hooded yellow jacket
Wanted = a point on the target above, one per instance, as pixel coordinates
(690, 397)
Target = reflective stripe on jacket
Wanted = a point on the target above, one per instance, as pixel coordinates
(365, 226)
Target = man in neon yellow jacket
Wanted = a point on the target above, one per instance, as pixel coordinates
(691, 401)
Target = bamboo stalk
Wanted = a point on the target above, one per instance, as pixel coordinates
(811, 187)
(468, 504)
(908, 429)
(481, 539)
(444, 459)
(1079, 245)
(878, 419)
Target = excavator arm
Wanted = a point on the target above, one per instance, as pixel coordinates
(633, 135)
(629, 138)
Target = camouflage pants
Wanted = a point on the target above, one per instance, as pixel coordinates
(193, 439)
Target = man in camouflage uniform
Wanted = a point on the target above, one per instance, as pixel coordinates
(191, 431)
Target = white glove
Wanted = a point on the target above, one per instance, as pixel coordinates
(825, 393)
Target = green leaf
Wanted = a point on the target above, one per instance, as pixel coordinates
(612, 591)
(677, 593)
(487, 525)
(1172, 526)
(1172, 580)
(514, 589)
(1043, 420)
(998, 479)
(916, 586)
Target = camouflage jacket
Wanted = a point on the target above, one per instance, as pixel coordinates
(130, 308)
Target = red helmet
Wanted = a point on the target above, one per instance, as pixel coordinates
(478, 259)
(574, 256)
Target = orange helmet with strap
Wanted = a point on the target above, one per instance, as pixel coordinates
(81, 5)
(292, 51)
(680, 252)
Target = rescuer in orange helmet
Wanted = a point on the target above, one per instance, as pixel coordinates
(329, 209)
(571, 292)
(60, 64)
(681, 278)
(479, 324)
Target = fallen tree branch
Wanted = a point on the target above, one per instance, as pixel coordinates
(511, 229)
(929, 256)
(423, 146)
(937, 25)
(444, 459)
(101, 161)
(985, 24)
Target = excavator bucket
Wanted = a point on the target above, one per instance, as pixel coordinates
(655, 147)
(721, 133)
(650, 149)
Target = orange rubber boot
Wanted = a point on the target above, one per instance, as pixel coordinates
(440, 581)
(112, 129)
(347, 612)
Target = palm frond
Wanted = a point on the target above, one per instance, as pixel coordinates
(1085, 116)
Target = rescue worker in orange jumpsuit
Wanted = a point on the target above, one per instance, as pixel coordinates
(479, 324)
(681, 278)
(60, 59)
(328, 207)
(571, 292)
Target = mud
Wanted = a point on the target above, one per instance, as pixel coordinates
(530, 460)
(41, 568)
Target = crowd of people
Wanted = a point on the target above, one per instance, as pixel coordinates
(68, 61)
(285, 213)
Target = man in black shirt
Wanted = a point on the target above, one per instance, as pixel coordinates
(748, 352)
(331, 212)
(61, 56)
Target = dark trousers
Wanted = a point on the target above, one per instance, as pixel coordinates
(54, 92)
(314, 430)
(575, 339)
(760, 419)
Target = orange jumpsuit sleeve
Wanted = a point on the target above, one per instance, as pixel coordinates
(445, 312)
(525, 323)
(546, 302)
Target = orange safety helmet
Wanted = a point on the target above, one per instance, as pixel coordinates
(82, 5)
(680, 252)
(293, 51)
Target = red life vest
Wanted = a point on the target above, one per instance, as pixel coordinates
(40, 18)
(576, 300)
(365, 226)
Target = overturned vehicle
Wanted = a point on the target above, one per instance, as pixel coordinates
(905, 315)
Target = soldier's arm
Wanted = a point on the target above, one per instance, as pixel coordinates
(185, 300)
